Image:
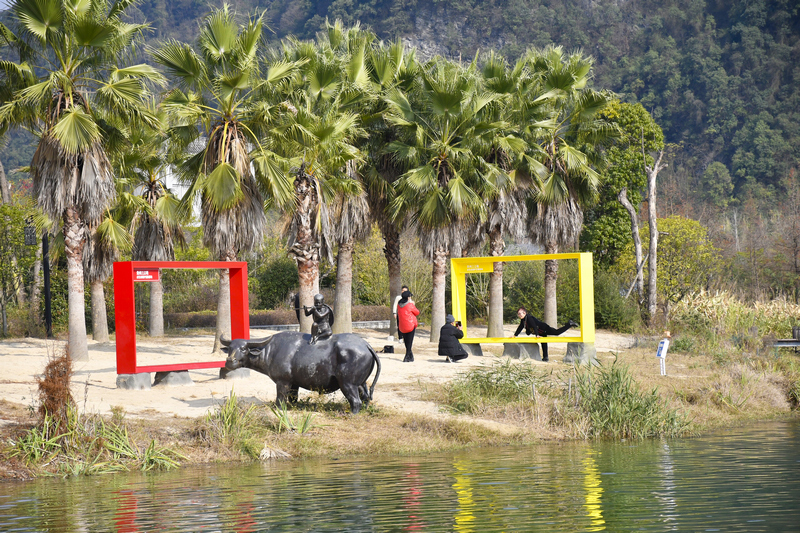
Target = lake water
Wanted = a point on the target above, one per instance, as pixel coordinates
(739, 480)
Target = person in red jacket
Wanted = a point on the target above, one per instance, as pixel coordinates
(407, 322)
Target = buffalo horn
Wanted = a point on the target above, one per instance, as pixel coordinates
(258, 343)
(224, 341)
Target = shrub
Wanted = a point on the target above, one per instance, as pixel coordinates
(500, 384)
(699, 311)
(617, 408)
(275, 280)
(611, 309)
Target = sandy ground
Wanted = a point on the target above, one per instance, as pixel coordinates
(94, 381)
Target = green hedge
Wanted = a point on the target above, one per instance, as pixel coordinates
(208, 319)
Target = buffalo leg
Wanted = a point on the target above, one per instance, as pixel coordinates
(284, 393)
(351, 392)
(363, 391)
(294, 394)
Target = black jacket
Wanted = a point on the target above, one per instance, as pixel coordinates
(531, 324)
(448, 340)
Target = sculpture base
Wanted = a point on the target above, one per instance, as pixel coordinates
(239, 373)
(173, 378)
(139, 381)
(581, 353)
(473, 349)
(522, 350)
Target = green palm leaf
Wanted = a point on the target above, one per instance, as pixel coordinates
(222, 187)
(39, 17)
(92, 33)
(218, 36)
(76, 131)
(181, 62)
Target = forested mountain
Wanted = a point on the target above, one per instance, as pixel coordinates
(721, 78)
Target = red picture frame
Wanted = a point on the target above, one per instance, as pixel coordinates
(125, 310)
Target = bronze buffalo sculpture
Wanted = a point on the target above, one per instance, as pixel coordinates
(343, 361)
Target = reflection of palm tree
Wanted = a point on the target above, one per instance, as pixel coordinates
(80, 117)
(229, 97)
(564, 135)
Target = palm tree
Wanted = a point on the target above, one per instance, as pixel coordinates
(102, 248)
(565, 131)
(324, 132)
(153, 211)
(234, 173)
(389, 67)
(440, 119)
(505, 203)
(79, 100)
(351, 223)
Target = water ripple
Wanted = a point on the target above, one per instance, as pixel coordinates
(742, 480)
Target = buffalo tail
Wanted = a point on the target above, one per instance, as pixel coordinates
(377, 373)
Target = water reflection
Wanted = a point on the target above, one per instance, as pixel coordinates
(744, 480)
(594, 493)
(464, 517)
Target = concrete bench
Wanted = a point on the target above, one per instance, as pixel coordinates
(527, 347)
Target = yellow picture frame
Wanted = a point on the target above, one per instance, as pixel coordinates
(460, 267)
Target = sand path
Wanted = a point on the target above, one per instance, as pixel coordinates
(94, 382)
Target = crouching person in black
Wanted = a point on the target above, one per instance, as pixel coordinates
(448, 341)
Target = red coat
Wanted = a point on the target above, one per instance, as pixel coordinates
(407, 317)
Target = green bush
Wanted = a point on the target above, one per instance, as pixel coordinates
(523, 286)
(611, 309)
(617, 408)
(274, 281)
(494, 386)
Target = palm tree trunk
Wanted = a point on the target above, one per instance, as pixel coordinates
(74, 242)
(343, 301)
(391, 238)
(437, 297)
(5, 191)
(496, 248)
(5, 196)
(37, 269)
(99, 317)
(223, 308)
(308, 273)
(157, 309)
(550, 311)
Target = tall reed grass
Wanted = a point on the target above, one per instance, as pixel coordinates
(617, 408)
(702, 311)
(485, 387)
(87, 445)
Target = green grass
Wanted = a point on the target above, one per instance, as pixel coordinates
(87, 445)
(617, 408)
(502, 383)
